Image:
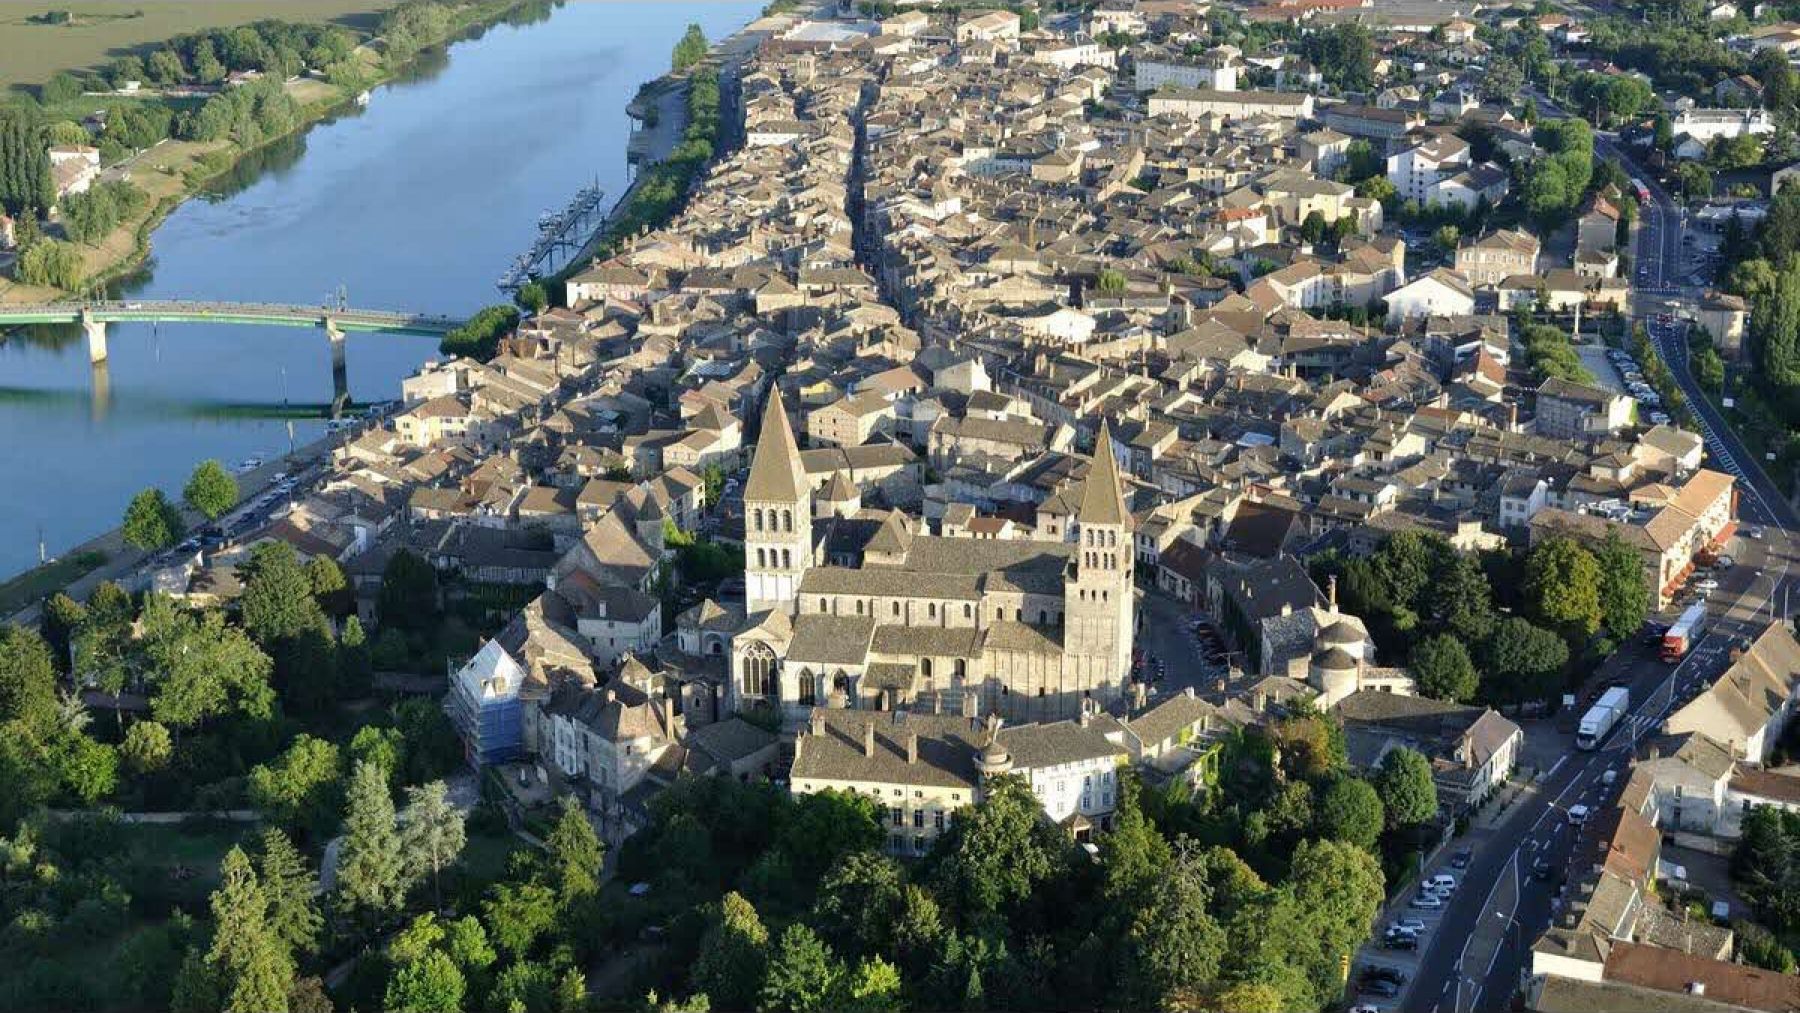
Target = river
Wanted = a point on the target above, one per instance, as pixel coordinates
(417, 202)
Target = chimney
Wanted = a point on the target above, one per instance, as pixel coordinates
(1331, 592)
(1656, 750)
(818, 723)
(1512, 416)
(799, 748)
(609, 695)
(1259, 701)
(969, 708)
(1085, 716)
(912, 747)
(1218, 685)
(869, 738)
(937, 703)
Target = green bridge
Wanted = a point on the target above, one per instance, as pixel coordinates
(335, 320)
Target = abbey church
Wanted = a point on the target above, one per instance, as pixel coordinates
(863, 608)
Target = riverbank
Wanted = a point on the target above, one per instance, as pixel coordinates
(661, 109)
(171, 172)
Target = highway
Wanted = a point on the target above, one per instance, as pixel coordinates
(1473, 958)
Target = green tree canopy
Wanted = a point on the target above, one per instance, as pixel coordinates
(27, 678)
(1349, 810)
(1524, 662)
(302, 788)
(1624, 593)
(371, 871)
(998, 850)
(278, 602)
(152, 522)
(1404, 782)
(409, 593)
(733, 952)
(690, 50)
(1442, 667)
(1562, 583)
(802, 975)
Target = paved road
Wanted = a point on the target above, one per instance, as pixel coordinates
(1474, 958)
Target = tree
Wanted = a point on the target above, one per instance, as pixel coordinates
(1408, 794)
(1562, 585)
(329, 586)
(27, 678)
(1524, 662)
(25, 183)
(409, 593)
(86, 769)
(61, 87)
(288, 885)
(1110, 281)
(518, 914)
(146, 748)
(575, 855)
(532, 297)
(430, 984)
(1445, 239)
(371, 873)
(732, 953)
(1709, 369)
(1624, 595)
(690, 50)
(802, 976)
(152, 522)
(300, 789)
(824, 826)
(1461, 601)
(1337, 891)
(253, 968)
(1173, 947)
(1442, 668)
(1349, 810)
(872, 987)
(200, 666)
(431, 834)
(1775, 329)
(278, 603)
(996, 851)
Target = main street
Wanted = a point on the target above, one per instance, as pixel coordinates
(1475, 957)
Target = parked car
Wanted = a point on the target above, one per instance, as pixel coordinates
(1461, 859)
(1427, 902)
(1400, 941)
(1443, 883)
(1408, 924)
(1384, 989)
(1708, 584)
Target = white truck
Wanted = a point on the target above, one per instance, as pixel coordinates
(1601, 717)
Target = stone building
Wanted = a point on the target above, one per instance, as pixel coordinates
(871, 611)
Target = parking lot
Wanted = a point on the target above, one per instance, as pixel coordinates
(1387, 965)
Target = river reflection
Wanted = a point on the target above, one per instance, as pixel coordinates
(417, 202)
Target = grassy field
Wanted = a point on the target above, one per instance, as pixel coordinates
(34, 584)
(107, 29)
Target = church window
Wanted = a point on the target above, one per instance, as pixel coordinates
(787, 560)
(822, 607)
(759, 520)
(809, 688)
(968, 611)
(761, 559)
(787, 520)
(896, 608)
(859, 606)
(925, 667)
(1043, 618)
(961, 668)
(931, 610)
(759, 671)
(1105, 596)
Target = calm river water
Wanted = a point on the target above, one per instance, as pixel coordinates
(417, 202)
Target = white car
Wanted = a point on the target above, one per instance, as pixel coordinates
(1443, 883)
(1413, 925)
(1427, 902)
(1578, 814)
(1708, 584)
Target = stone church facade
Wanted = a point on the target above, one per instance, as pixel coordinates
(863, 608)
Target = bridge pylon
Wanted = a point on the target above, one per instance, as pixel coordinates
(96, 336)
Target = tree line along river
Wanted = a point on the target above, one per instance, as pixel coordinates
(417, 202)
